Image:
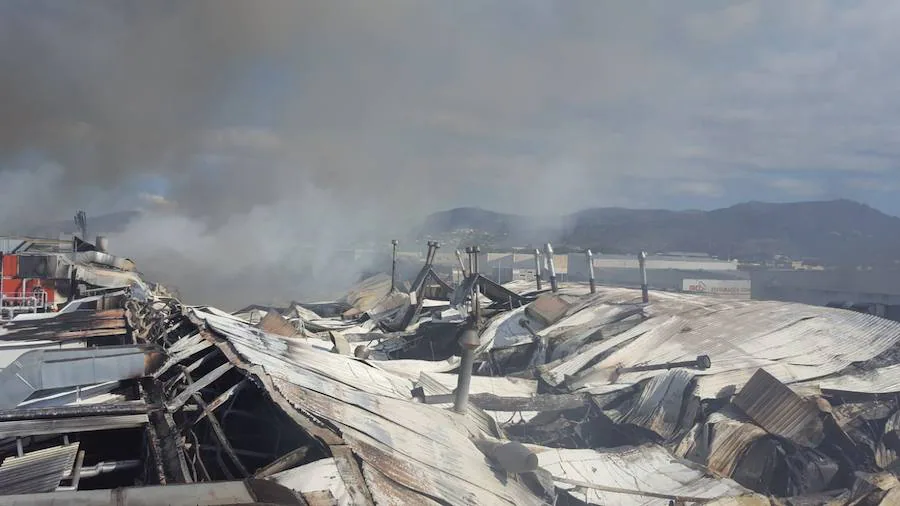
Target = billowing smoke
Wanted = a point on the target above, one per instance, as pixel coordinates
(267, 162)
(270, 135)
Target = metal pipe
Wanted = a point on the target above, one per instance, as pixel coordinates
(105, 467)
(702, 362)
(553, 285)
(475, 272)
(590, 262)
(642, 261)
(468, 341)
(462, 266)
(394, 243)
(537, 268)
(11, 415)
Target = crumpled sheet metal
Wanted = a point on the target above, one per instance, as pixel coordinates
(423, 448)
(883, 380)
(648, 468)
(440, 383)
(776, 408)
(721, 440)
(274, 353)
(504, 331)
(313, 477)
(793, 342)
(660, 404)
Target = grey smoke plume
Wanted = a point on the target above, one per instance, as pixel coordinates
(270, 125)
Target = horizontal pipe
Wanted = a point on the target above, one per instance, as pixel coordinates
(106, 467)
(11, 415)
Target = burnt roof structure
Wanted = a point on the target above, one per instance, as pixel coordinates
(577, 398)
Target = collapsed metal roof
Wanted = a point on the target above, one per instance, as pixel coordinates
(577, 398)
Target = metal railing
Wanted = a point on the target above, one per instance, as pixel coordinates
(13, 304)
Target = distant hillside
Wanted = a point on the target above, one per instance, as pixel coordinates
(839, 232)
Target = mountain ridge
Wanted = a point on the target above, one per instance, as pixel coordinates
(837, 232)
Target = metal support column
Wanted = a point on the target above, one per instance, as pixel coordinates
(642, 261)
(553, 284)
(394, 243)
(590, 261)
(537, 268)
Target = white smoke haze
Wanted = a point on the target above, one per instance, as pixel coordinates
(276, 133)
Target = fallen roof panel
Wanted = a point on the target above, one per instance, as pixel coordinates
(420, 447)
(37, 471)
(793, 342)
(647, 469)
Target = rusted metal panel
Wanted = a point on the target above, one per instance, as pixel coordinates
(548, 308)
(274, 323)
(351, 475)
(429, 440)
(387, 492)
(780, 411)
(660, 403)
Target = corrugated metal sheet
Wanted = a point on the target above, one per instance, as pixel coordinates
(644, 469)
(22, 428)
(793, 342)
(776, 408)
(319, 475)
(884, 380)
(485, 421)
(725, 437)
(387, 492)
(275, 352)
(659, 405)
(423, 448)
(504, 331)
(37, 471)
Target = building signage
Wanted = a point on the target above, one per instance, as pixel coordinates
(735, 288)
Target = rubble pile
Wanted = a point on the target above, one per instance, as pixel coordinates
(439, 394)
(787, 401)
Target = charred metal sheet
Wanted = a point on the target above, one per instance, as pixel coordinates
(884, 380)
(431, 440)
(660, 405)
(22, 428)
(39, 370)
(351, 475)
(499, 294)
(37, 471)
(793, 342)
(195, 386)
(195, 494)
(319, 476)
(388, 492)
(302, 417)
(81, 410)
(634, 472)
(722, 440)
(778, 410)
